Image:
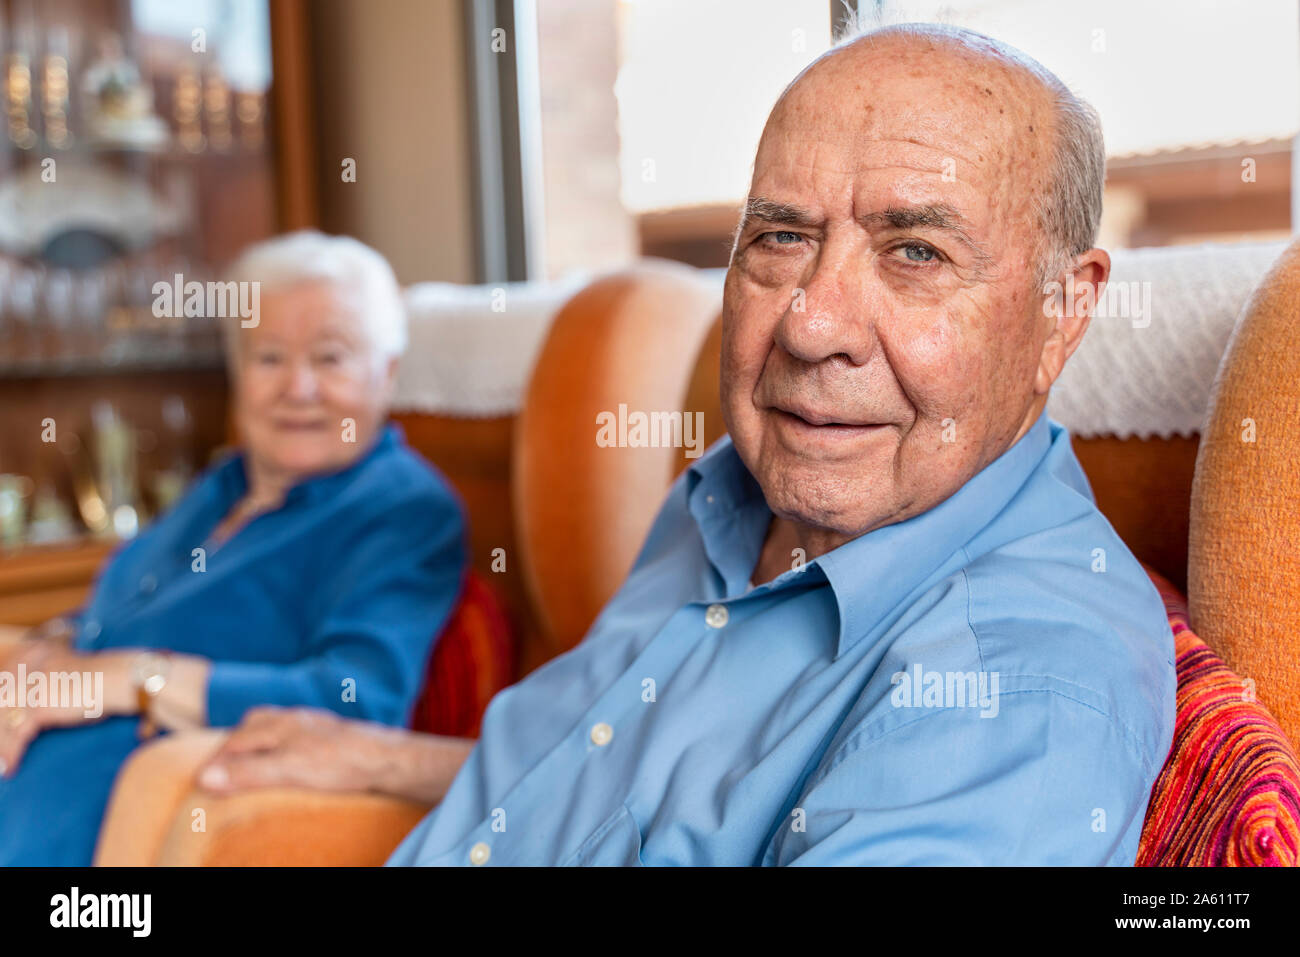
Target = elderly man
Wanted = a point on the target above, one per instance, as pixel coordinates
(884, 622)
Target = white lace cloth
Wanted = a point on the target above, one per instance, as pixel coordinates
(1149, 372)
(1144, 367)
(471, 349)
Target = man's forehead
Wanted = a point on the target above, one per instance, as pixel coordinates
(872, 178)
(886, 153)
(887, 125)
(914, 144)
(944, 101)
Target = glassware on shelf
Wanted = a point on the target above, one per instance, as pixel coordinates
(177, 451)
(90, 503)
(56, 90)
(216, 109)
(20, 303)
(57, 314)
(117, 103)
(51, 520)
(250, 111)
(187, 110)
(15, 490)
(117, 470)
(18, 100)
(96, 292)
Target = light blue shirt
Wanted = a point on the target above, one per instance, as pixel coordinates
(990, 682)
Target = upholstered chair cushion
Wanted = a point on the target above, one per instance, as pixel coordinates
(474, 658)
(1244, 538)
(1229, 792)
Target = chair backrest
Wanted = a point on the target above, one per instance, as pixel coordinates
(624, 344)
(1244, 563)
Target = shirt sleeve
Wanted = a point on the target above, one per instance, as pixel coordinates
(1045, 781)
(388, 599)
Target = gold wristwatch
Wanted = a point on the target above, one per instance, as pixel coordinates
(149, 673)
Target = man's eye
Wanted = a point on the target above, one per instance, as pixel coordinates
(782, 237)
(915, 252)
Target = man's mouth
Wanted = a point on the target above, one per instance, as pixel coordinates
(820, 420)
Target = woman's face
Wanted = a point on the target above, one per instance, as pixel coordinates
(310, 392)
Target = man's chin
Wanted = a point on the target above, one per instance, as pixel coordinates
(845, 510)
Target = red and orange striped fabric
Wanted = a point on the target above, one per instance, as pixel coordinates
(1229, 793)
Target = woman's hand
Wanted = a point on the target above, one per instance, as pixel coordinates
(46, 685)
(313, 748)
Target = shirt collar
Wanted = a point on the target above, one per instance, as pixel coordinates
(233, 476)
(728, 506)
(871, 573)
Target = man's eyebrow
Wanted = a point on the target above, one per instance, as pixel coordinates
(932, 215)
(778, 214)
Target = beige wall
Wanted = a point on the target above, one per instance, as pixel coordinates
(390, 92)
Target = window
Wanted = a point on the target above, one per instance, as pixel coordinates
(652, 110)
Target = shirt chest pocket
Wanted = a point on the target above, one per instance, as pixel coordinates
(616, 843)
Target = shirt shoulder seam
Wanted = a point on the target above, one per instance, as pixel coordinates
(1131, 738)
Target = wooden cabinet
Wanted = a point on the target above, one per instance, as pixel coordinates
(47, 580)
(212, 132)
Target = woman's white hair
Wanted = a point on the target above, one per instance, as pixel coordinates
(363, 276)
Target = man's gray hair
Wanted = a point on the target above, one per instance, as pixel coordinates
(1069, 210)
(362, 275)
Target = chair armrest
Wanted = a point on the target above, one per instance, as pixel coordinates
(148, 789)
(12, 634)
(156, 816)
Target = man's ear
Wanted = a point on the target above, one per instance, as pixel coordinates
(1069, 305)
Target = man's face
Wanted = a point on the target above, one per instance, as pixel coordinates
(881, 329)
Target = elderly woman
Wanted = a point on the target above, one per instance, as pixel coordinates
(314, 567)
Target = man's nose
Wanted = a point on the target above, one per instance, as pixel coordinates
(835, 313)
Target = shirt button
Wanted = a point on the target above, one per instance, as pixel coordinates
(716, 616)
(148, 583)
(709, 499)
(601, 734)
(479, 854)
(91, 629)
